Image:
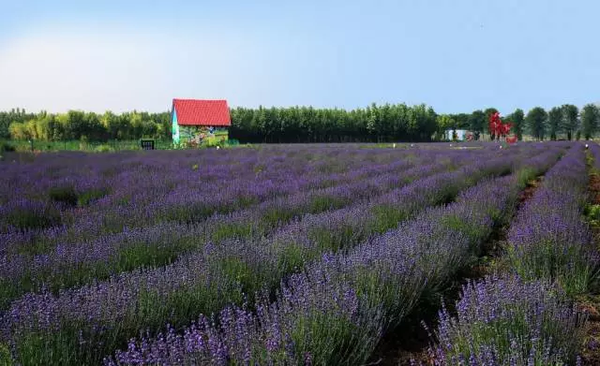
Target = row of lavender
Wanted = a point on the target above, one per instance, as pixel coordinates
(127, 182)
(527, 317)
(70, 264)
(21, 242)
(80, 323)
(73, 264)
(336, 310)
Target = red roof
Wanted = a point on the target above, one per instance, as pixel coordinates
(195, 112)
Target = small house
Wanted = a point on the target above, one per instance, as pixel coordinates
(200, 122)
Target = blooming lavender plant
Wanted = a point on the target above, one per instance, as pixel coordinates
(509, 321)
(389, 276)
(78, 263)
(549, 238)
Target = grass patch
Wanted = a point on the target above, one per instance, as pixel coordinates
(40, 216)
(324, 203)
(88, 196)
(386, 217)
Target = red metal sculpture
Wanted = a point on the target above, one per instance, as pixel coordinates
(499, 129)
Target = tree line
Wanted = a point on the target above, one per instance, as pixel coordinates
(88, 126)
(306, 124)
(375, 123)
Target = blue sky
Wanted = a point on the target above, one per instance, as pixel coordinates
(456, 56)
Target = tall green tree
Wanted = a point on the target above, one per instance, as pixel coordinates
(110, 122)
(462, 120)
(15, 115)
(589, 120)
(445, 122)
(570, 119)
(536, 122)
(517, 118)
(477, 122)
(489, 111)
(555, 124)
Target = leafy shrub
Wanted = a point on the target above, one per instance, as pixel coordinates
(5, 146)
(104, 148)
(593, 214)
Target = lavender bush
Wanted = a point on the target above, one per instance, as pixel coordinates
(69, 265)
(328, 248)
(235, 265)
(549, 239)
(388, 274)
(508, 321)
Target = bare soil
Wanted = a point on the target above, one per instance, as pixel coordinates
(594, 188)
(590, 304)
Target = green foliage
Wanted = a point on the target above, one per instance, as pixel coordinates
(12, 116)
(375, 123)
(555, 122)
(568, 266)
(292, 258)
(324, 203)
(477, 121)
(525, 176)
(6, 146)
(276, 216)
(462, 120)
(386, 217)
(470, 229)
(226, 230)
(489, 111)
(330, 338)
(445, 122)
(517, 118)
(570, 121)
(536, 121)
(341, 238)
(85, 126)
(104, 148)
(305, 124)
(78, 145)
(48, 347)
(593, 214)
(589, 120)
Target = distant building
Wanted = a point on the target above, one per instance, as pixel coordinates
(461, 135)
(200, 122)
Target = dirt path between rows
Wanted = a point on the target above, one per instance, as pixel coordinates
(590, 304)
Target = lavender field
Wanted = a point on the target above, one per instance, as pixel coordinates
(298, 255)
